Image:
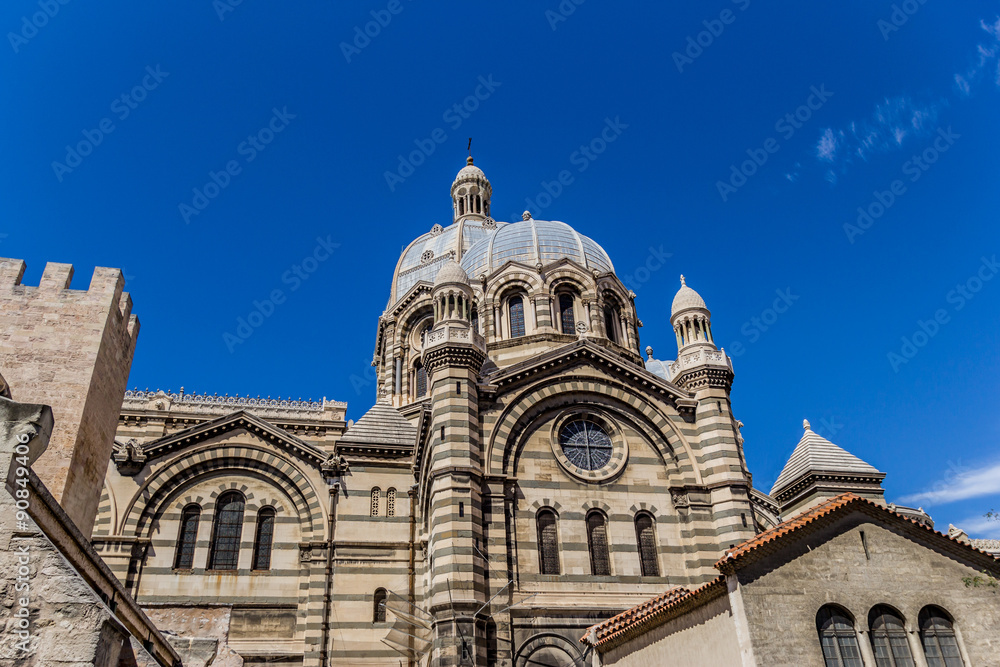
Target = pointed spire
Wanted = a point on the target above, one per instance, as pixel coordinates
(818, 469)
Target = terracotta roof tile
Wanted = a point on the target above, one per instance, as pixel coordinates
(762, 542)
(627, 623)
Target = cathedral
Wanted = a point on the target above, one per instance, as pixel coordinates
(530, 487)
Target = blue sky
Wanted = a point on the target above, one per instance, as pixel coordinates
(224, 145)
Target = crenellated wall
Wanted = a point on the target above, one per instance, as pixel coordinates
(70, 349)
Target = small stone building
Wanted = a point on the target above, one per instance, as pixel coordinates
(846, 583)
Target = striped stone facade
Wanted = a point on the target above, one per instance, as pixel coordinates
(431, 501)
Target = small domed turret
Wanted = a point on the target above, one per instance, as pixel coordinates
(452, 295)
(471, 192)
(690, 318)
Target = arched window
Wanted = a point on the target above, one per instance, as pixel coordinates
(889, 641)
(597, 541)
(226, 531)
(378, 606)
(421, 375)
(567, 322)
(263, 539)
(187, 537)
(937, 633)
(548, 542)
(646, 539)
(376, 501)
(516, 308)
(390, 502)
(475, 320)
(837, 638)
(611, 323)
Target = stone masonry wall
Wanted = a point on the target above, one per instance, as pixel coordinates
(72, 350)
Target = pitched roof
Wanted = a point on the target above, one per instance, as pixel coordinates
(633, 621)
(677, 601)
(815, 453)
(768, 541)
(381, 425)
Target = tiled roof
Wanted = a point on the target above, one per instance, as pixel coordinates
(382, 425)
(764, 543)
(632, 621)
(815, 453)
(642, 617)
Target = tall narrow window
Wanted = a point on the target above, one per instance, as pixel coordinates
(378, 606)
(226, 531)
(263, 539)
(892, 649)
(548, 542)
(187, 537)
(937, 634)
(566, 319)
(516, 308)
(376, 501)
(421, 380)
(646, 539)
(475, 320)
(611, 323)
(597, 541)
(390, 502)
(837, 638)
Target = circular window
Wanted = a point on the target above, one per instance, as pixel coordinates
(586, 444)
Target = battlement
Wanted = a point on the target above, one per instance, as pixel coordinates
(72, 350)
(106, 286)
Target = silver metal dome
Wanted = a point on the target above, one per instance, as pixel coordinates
(534, 242)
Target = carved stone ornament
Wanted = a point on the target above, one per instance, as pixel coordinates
(129, 457)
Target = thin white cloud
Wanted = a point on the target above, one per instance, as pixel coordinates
(892, 123)
(986, 59)
(984, 481)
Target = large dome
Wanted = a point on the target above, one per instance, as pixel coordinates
(423, 258)
(533, 242)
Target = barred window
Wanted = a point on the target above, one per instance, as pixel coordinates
(566, 319)
(421, 380)
(892, 649)
(646, 539)
(516, 308)
(263, 539)
(187, 537)
(937, 634)
(548, 542)
(226, 531)
(597, 541)
(837, 638)
(378, 606)
(390, 502)
(376, 500)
